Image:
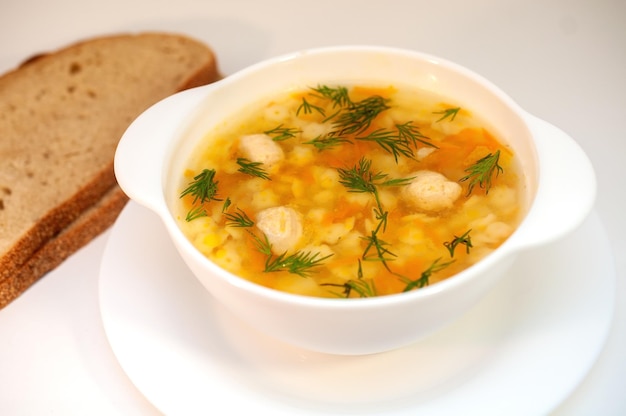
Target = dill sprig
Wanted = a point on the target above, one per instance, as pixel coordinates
(300, 262)
(389, 141)
(424, 279)
(248, 167)
(262, 244)
(238, 219)
(447, 113)
(280, 133)
(196, 212)
(337, 95)
(227, 203)
(361, 179)
(358, 116)
(203, 188)
(327, 142)
(365, 288)
(464, 239)
(354, 118)
(399, 142)
(411, 133)
(308, 108)
(382, 253)
(482, 172)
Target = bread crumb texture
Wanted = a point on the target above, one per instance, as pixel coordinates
(61, 117)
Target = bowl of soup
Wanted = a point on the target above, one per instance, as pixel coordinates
(353, 199)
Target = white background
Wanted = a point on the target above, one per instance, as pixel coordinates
(564, 61)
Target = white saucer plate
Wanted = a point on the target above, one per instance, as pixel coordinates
(521, 351)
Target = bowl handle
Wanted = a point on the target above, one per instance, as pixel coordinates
(143, 147)
(566, 189)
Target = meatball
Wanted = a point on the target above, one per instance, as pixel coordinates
(261, 148)
(431, 191)
(282, 226)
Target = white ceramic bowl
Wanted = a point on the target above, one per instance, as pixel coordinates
(559, 180)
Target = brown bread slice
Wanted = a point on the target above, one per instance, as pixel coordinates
(85, 228)
(61, 116)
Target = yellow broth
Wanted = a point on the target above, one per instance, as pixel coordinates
(353, 243)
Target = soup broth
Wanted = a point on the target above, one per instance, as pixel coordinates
(350, 191)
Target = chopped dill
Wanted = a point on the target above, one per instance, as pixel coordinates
(203, 188)
(388, 141)
(411, 133)
(361, 179)
(447, 113)
(337, 95)
(481, 173)
(196, 212)
(238, 219)
(464, 239)
(382, 254)
(280, 133)
(308, 108)
(252, 168)
(327, 142)
(424, 279)
(364, 288)
(356, 118)
(300, 262)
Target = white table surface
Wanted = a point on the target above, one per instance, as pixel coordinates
(564, 61)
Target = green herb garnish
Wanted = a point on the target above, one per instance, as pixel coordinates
(354, 118)
(360, 178)
(365, 288)
(280, 133)
(327, 142)
(262, 244)
(252, 168)
(410, 133)
(388, 141)
(308, 108)
(203, 188)
(482, 172)
(238, 219)
(357, 117)
(337, 95)
(196, 212)
(400, 142)
(464, 239)
(300, 262)
(447, 113)
(382, 253)
(424, 279)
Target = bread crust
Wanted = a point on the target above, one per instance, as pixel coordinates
(57, 249)
(27, 251)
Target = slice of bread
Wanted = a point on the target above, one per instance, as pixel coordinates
(61, 117)
(85, 228)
